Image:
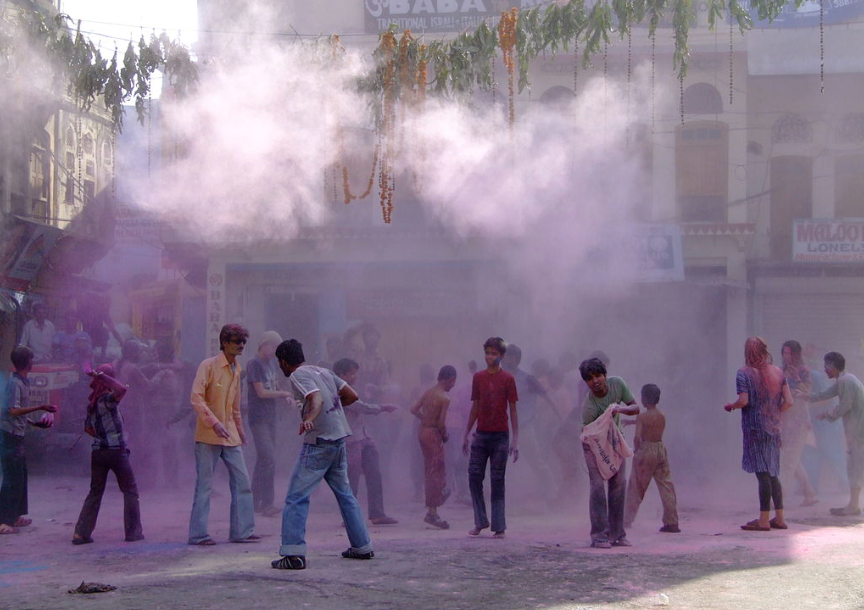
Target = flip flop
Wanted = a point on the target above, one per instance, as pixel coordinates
(810, 502)
(777, 526)
(753, 526)
(205, 542)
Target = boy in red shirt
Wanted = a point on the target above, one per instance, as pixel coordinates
(492, 392)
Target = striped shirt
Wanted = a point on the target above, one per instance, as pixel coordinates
(107, 422)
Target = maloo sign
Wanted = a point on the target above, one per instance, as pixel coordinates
(833, 240)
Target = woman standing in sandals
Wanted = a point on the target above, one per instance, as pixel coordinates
(762, 395)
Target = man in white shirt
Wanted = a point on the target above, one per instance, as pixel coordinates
(38, 334)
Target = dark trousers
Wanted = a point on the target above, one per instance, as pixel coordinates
(101, 462)
(607, 517)
(264, 434)
(363, 459)
(13, 493)
(494, 448)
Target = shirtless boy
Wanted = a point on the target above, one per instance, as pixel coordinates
(431, 410)
(650, 461)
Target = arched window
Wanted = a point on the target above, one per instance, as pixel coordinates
(557, 96)
(87, 144)
(702, 171)
(702, 98)
(791, 197)
(791, 129)
(107, 156)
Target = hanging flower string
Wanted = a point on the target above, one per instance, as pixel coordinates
(420, 76)
(386, 134)
(507, 42)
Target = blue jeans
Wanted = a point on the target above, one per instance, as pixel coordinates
(494, 448)
(607, 518)
(326, 460)
(242, 513)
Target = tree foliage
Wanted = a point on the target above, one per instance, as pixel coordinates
(76, 66)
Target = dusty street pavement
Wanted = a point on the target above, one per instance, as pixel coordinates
(545, 561)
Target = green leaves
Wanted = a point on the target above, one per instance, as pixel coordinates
(80, 68)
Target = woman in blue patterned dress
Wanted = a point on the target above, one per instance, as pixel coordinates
(762, 395)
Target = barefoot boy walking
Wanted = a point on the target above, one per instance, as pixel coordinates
(651, 462)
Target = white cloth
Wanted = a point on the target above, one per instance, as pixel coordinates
(607, 443)
(38, 339)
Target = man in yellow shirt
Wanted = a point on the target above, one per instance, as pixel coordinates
(219, 434)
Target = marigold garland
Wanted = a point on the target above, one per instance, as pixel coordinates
(507, 42)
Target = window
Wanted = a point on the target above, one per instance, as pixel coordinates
(89, 191)
(702, 171)
(69, 197)
(849, 186)
(107, 157)
(791, 198)
(641, 149)
(87, 144)
(852, 128)
(791, 129)
(702, 98)
(91, 168)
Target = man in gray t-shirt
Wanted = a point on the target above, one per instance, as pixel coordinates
(323, 456)
(330, 424)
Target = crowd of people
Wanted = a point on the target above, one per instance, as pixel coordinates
(345, 402)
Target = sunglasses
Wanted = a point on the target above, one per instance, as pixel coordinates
(238, 341)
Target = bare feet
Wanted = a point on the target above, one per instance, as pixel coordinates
(475, 532)
(22, 522)
(7, 529)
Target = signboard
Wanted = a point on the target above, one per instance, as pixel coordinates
(807, 15)
(658, 253)
(24, 249)
(215, 307)
(433, 15)
(830, 240)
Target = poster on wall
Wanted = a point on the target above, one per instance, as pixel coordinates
(658, 253)
(828, 240)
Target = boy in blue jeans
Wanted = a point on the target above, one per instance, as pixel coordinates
(493, 391)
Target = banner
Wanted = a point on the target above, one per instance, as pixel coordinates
(25, 248)
(807, 15)
(433, 15)
(832, 240)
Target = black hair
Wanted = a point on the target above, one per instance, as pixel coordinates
(496, 343)
(836, 360)
(231, 331)
(650, 394)
(601, 356)
(22, 357)
(514, 354)
(590, 367)
(447, 372)
(343, 365)
(291, 352)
